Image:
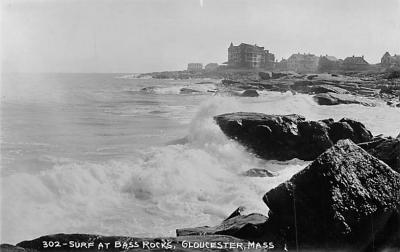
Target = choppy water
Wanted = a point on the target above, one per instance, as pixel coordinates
(91, 153)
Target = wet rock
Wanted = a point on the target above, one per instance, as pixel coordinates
(319, 89)
(335, 99)
(278, 75)
(386, 149)
(340, 130)
(311, 77)
(284, 137)
(302, 86)
(264, 76)
(242, 226)
(257, 172)
(148, 89)
(360, 132)
(237, 212)
(229, 82)
(346, 198)
(12, 248)
(393, 75)
(188, 91)
(250, 93)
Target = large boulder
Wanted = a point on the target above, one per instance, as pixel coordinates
(336, 99)
(250, 93)
(264, 76)
(346, 198)
(285, 137)
(386, 149)
(349, 129)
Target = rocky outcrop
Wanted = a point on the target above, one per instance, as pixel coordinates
(285, 137)
(328, 89)
(92, 243)
(257, 172)
(11, 248)
(386, 149)
(346, 198)
(241, 226)
(188, 91)
(250, 93)
(335, 99)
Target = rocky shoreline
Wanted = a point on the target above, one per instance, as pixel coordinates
(362, 88)
(347, 199)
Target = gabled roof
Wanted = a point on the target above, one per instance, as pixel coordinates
(331, 58)
(396, 57)
(299, 56)
(254, 46)
(355, 61)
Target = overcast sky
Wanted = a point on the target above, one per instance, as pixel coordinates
(154, 35)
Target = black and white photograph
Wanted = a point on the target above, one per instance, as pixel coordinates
(200, 125)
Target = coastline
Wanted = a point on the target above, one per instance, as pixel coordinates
(343, 173)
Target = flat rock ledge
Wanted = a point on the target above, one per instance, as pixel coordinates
(284, 137)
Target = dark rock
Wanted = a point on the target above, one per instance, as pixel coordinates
(303, 86)
(311, 77)
(361, 134)
(242, 226)
(257, 172)
(387, 150)
(340, 130)
(11, 248)
(237, 212)
(123, 243)
(250, 93)
(393, 75)
(346, 198)
(205, 82)
(278, 75)
(264, 76)
(229, 82)
(270, 136)
(284, 137)
(318, 89)
(335, 99)
(148, 89)
(314, 139)
(188, 91)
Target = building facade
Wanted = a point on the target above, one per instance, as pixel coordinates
(195, 67)
(328, 63)
(303, 63)
(355, 64)
(389, 61)
(250, 56)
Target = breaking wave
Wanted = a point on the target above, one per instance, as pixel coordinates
(192, 182)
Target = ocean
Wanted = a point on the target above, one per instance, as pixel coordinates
(94, 153)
